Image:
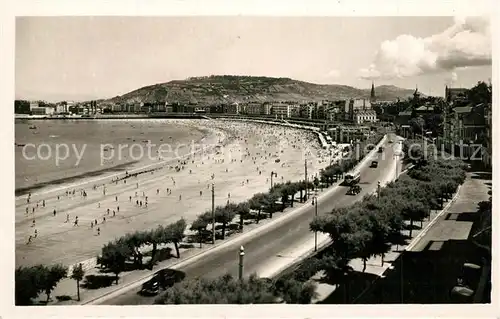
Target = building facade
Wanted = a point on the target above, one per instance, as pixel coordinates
(361, 117)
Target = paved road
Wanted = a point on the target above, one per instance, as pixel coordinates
(273, 241)
(457, 222)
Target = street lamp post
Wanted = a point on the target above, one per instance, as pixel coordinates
(378, 189)
(305, 169)
(315, 204)
(213, 214)
(242, 255)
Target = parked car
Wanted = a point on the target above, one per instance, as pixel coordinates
(162, 279)
(374, 164)
(380, 149)
(354, 190)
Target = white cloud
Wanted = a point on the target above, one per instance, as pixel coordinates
(333, 74)
(466, 43)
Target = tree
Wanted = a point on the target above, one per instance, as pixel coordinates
(224, 215)
(243, 211)
(200, 225)
(77, 274)
(414, 210)
(175, 233)
(257, 202)
(480, 93)
(114, 257)
(51, 276)
(228, 290)
(28, 284)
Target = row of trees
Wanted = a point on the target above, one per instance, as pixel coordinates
(275, 200)
(370, 227)
(115, 255)
(30, 282)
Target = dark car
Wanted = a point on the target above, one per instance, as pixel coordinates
(162, 279)
(354, 190)
(374, 164)
(380, 149)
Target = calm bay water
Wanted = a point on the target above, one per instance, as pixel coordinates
(37, 164)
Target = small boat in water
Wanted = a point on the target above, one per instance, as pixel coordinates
(20, 145)
(33, 127)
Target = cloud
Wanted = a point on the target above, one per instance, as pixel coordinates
(466, 43)
(333, 74)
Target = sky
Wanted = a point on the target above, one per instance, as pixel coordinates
(81, 58)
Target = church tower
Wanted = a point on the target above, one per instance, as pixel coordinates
(372, 94)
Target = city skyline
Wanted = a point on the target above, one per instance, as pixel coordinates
(116, 55)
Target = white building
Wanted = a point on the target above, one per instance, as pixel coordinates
(33, 104)
(361, 117)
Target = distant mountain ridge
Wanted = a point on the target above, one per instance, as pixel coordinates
(217, 89)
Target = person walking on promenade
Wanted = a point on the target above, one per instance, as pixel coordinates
(116, 198)
(54, 212)
(76, 221)
(103, 220)
(107, 211)
(130, 198)
(67, 218)
(33, 223)
(98, 205)
(29, 240)
(91, 224)
(43, 203)
(98, 231)
(118, 209)
(114, 213)
(36, 233)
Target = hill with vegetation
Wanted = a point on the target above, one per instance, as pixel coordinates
(217, 89)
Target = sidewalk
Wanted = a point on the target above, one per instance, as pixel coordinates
(440, 226)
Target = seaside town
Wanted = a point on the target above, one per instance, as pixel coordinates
(273, 190)
(462, 120)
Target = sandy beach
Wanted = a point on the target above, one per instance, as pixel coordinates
(238, 169)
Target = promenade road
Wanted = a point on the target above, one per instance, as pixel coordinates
(264, 248)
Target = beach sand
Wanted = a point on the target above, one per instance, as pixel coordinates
(239, 169)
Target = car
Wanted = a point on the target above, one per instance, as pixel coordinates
(380, 149)
(354, 190)
(162, 279)
(374, 164)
